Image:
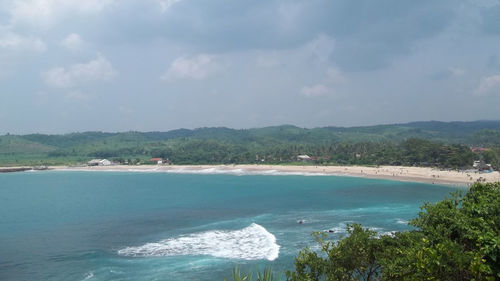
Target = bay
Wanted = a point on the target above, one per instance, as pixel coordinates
(159, 226)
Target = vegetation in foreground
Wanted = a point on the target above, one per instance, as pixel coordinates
(455, 239)
(435, 144)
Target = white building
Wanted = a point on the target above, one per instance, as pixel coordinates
(99, 162)
(303, 158)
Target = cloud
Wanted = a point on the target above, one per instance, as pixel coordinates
(72, 42)
(488, 85)
(78, 96)
(335, 76)
(457, 71)
(334, 79)
(197, 67)
(166, 4)
(47, 12)
(315, 91)
(320, 48)
(125, 110)
(99, 69)
(17, 42)
(452, 72)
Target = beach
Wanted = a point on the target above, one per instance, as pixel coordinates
(400, 173)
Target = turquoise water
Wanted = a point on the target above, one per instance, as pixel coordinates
(158, 226)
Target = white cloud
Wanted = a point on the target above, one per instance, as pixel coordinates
(335, 76)
(321, 48)
(166, 4)
(488, 85)
(315, 90)
(99, 69)
(125, 110)
(266, 61)
(456, 71)
(77, 95)
(16, 42)
(288, 14)
(72, 42)
(197, 67)
(47, 12)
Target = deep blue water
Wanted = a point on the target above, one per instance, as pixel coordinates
(158, 226)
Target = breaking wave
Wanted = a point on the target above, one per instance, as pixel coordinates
(242, 172)
(250, 243)
(401, 221)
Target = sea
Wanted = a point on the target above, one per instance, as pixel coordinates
(79, 225)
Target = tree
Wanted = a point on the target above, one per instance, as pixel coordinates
(352, 258)
(456, 239)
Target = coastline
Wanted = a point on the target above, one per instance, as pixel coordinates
(398, 173)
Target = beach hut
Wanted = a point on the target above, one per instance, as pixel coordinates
(304, 158)
(99, 162)
(93, 162)
(104, 162)
(156, 160)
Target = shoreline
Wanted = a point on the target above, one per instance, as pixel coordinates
(398, 173)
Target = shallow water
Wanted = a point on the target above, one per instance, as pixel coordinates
(159, 226)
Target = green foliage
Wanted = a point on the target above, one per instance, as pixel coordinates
(486, 138)
(352, 258)
(456, 239)
(470, 225)
(267, 275)
(492, 156)
(421, 144)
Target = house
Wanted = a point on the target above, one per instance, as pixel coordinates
(303, 158)
(99, 162)
(104, 162)
(93, 162)
(481, 166)
(479, 149)
(156, 160)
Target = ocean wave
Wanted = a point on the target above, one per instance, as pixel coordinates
(250, 243)
(401, 221)
(206, 171)
(89, 276)
(242, 172)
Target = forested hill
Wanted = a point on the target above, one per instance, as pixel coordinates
(225, 145)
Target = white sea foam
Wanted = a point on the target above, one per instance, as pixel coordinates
(401, 221)
(341, 228)
(387, 233)
(250, 243)
(242, 172)
(89, 276)
(210, 171)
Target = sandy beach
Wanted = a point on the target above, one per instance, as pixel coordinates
(400, 173)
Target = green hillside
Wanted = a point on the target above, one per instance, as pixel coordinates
(436, 143)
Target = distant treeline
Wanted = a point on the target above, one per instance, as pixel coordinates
(440, 144)
(410, 152)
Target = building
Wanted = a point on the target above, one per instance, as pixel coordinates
(481, 166)
(156, 160)
(303, 158)
(479, 149)
(99, 162)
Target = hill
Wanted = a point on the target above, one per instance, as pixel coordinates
(358, 145)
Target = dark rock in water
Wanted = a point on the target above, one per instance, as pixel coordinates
(301, 221)
(331, 230)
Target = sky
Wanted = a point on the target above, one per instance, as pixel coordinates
(157, 65)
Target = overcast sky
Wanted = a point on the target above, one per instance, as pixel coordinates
(156, 65)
